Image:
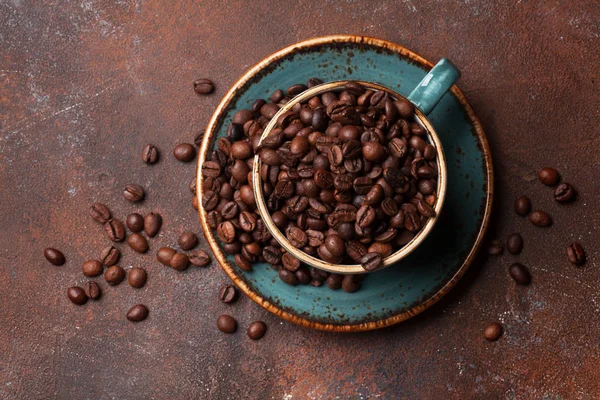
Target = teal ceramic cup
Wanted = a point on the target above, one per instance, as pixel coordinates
(425, 96)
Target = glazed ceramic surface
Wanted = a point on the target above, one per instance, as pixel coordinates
(418, 281)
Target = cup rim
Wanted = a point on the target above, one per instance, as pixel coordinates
(349, 268)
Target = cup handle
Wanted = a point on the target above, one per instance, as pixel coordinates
(434, 85)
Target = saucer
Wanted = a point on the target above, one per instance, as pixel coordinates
(418, 281)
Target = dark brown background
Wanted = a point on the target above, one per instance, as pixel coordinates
(85, 84)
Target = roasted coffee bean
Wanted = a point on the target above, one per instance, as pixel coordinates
(315, 238)
(204, 86)
(492, 332)
(495, 248)
(365, 216)
(137, 313)
(272, 255)
(109, 256)
(334, 281)
(540, 218)
(290, 262)
(522, 205)
(187, 241)
(397, 147)
(514, 243)
(214, 218)
(199, 258)
(92, 290)
(137, 277)
(297, 237)
(114, 230)
(198, 137)
(404, 238)
(164, 255)
(228, 294)
(356, 250)
(179, 262)
(243, 262)
(210, 200)
(54, 257)
(195, 203)
(519, 274)
(92, 268)
(152, 223)
(394, 177)
(184, 152)
(389, 207)
(374, 195)
(211, 169)
(371, 261)
(114, 275)
(135, 222)
(350, 284)
(335, 245)
(100, 212)
(288, 277)
(564, 193)
(548, 176)
(257, 329)
(138, 243)
(150, 154)
(425, 209)
(133, 192)
(227, 324)
(576, 254)
(247, 221)
(77, 295)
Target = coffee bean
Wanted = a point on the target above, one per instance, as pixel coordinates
(228, 294)
(179, 262)
(297, 237)
(350, 284)
(184, 152)
(150, 154)
(371, 261)
(514, 243)
(92, 268)
(540, 218)
(187, 241)
(199, 258)
(54, 257)
(389, 207)
(564, 193)
(135, 222)
(290, 262)
(137, 313)
(77, 295)
(114, 230)
(257, 330)
(211, 169)
(198, 137)
(227, 324)
(133, 192)
(226, 232)
(152, 223)
(522, 205)
(204, 86)
(137, 277)
(365, 216)
(195, 203)
(548, 176)
(495, 248)
(492, 332)
(100, 212)
(92, 290)
(576, 254)
(243, 263)
(334, 281)
(164, 255)
(114, 275)
(288, 277)
(519, 274)
(138, 243)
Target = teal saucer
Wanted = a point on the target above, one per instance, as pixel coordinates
(420, 280)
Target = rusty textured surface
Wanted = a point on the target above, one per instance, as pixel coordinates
(84, 85)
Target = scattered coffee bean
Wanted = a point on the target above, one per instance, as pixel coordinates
(138, 243)
(152, 224)
(564, 193)
(109, 256)
(204, 86)
(137, 277)
(150, 154)
(54, 257)
(228, 294)
(257, 330)
(520, 274)
(179, 262)
(184, 152)
(199, 258)
(548, 176)
(77, 295)
(92, 290)
(92, 268)
(114, 230)
(192, 185)
(522, 205)
(198, 137)
(492, 332)
(100, 212)
(195, 203)
(187, 241)
(114, 275)
(540, 218)
(164, 255)
(133, 192)
(576, 254)
(495, 248)
(137, 313)
(135, 222)
(227, 324)
(514, 243)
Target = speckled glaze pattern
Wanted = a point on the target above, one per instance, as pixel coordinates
(400, 292)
